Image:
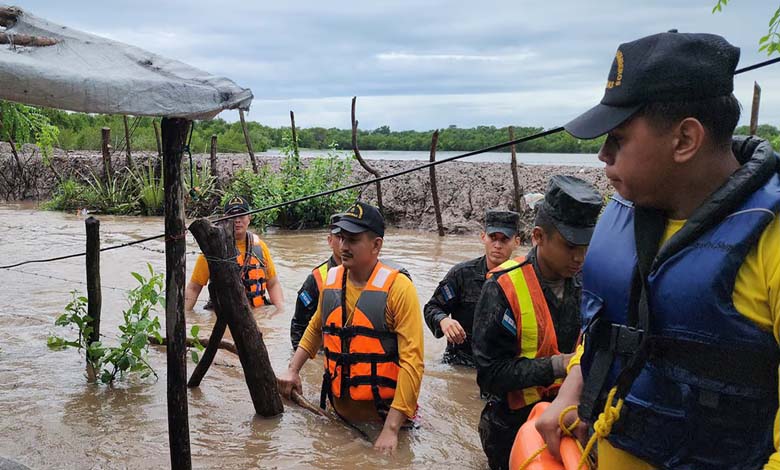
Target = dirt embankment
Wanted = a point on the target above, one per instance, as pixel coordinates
(466, 189)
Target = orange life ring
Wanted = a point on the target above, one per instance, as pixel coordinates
(528, 442)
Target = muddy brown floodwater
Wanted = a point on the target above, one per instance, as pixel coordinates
(50, 417)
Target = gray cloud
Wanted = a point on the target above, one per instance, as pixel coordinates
(415, 64)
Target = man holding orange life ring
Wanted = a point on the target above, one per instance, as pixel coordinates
(527, 319)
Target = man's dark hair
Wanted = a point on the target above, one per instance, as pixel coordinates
(544, 221)
(718, 115)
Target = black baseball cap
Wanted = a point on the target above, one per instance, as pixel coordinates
(333, 219)
(505, 222)
(573, 206)
(236, 205)
(668, 66)
(360, 218)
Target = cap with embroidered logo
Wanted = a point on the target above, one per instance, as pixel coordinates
(236, 205)
(668, 66)
(360, 218)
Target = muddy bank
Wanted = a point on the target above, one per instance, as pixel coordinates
(465, 189)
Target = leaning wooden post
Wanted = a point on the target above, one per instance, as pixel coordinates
(294, 134)
(231, 305)
(362, 162)
(518, 191)
(129, 161)
(434, 190)
(248, 140)
(754, 111)
(174, 135)
(208, 354)
(213, 160)
(94, 295)
(106, 148)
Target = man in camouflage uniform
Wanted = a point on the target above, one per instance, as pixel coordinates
(450, 312)
(527, 319)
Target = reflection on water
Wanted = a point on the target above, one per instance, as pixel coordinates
(52, 418)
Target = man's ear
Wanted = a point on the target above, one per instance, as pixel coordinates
(537, 236)
(689, 137)
(378, 242)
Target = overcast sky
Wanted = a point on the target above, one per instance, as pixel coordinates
(417, 64)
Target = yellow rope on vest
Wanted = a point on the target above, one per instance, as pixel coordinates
(603, 425)
(566, 430)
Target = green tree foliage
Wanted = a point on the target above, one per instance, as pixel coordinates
(771, 41)
(26, 124)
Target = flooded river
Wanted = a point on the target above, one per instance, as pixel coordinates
(50, 417)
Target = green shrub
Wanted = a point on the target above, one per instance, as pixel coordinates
(296, 180)
(108, 363)
(68, 196)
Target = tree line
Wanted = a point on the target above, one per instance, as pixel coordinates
(79, 131)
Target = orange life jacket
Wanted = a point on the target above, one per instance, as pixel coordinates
(253, 272)
(361, 358)
(531, 318)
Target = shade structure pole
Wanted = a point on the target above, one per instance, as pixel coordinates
(174, 137)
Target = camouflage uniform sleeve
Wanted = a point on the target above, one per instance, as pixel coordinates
(444, 298)
(305, 306)
(499, 370)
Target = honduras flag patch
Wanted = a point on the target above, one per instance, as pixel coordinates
(305, 298)
(508, 322)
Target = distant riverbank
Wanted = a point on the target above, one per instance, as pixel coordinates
(466, 189)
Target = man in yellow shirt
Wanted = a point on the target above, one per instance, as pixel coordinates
(258, 272)
(370, 326)
(681, 285)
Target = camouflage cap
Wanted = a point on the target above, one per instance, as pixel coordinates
(506, 222)
(573, 205)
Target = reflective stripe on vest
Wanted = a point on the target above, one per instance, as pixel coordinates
(535, 331)
(320, 273)
(361, 358)
(254, 276)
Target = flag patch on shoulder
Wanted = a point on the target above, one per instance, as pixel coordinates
(448, 292)
(508, 322)
(306, 299)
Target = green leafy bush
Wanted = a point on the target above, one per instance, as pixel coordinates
(294, 180)
(130, 356)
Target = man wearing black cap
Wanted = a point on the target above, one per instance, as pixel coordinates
(681, 287)
(369, 324)
(450, 312)
(527, 319)
(257, 269)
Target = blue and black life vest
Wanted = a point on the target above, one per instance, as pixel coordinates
(700, 380)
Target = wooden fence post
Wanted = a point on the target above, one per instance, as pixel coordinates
(294, 134)
(129, 161)
(213, 160)
(231, 306)
(106, 148)
(174, 135)
(248, 140)
(754, 111)
(94, 295)
(518, 191)
(434, 190)
(362, 162)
